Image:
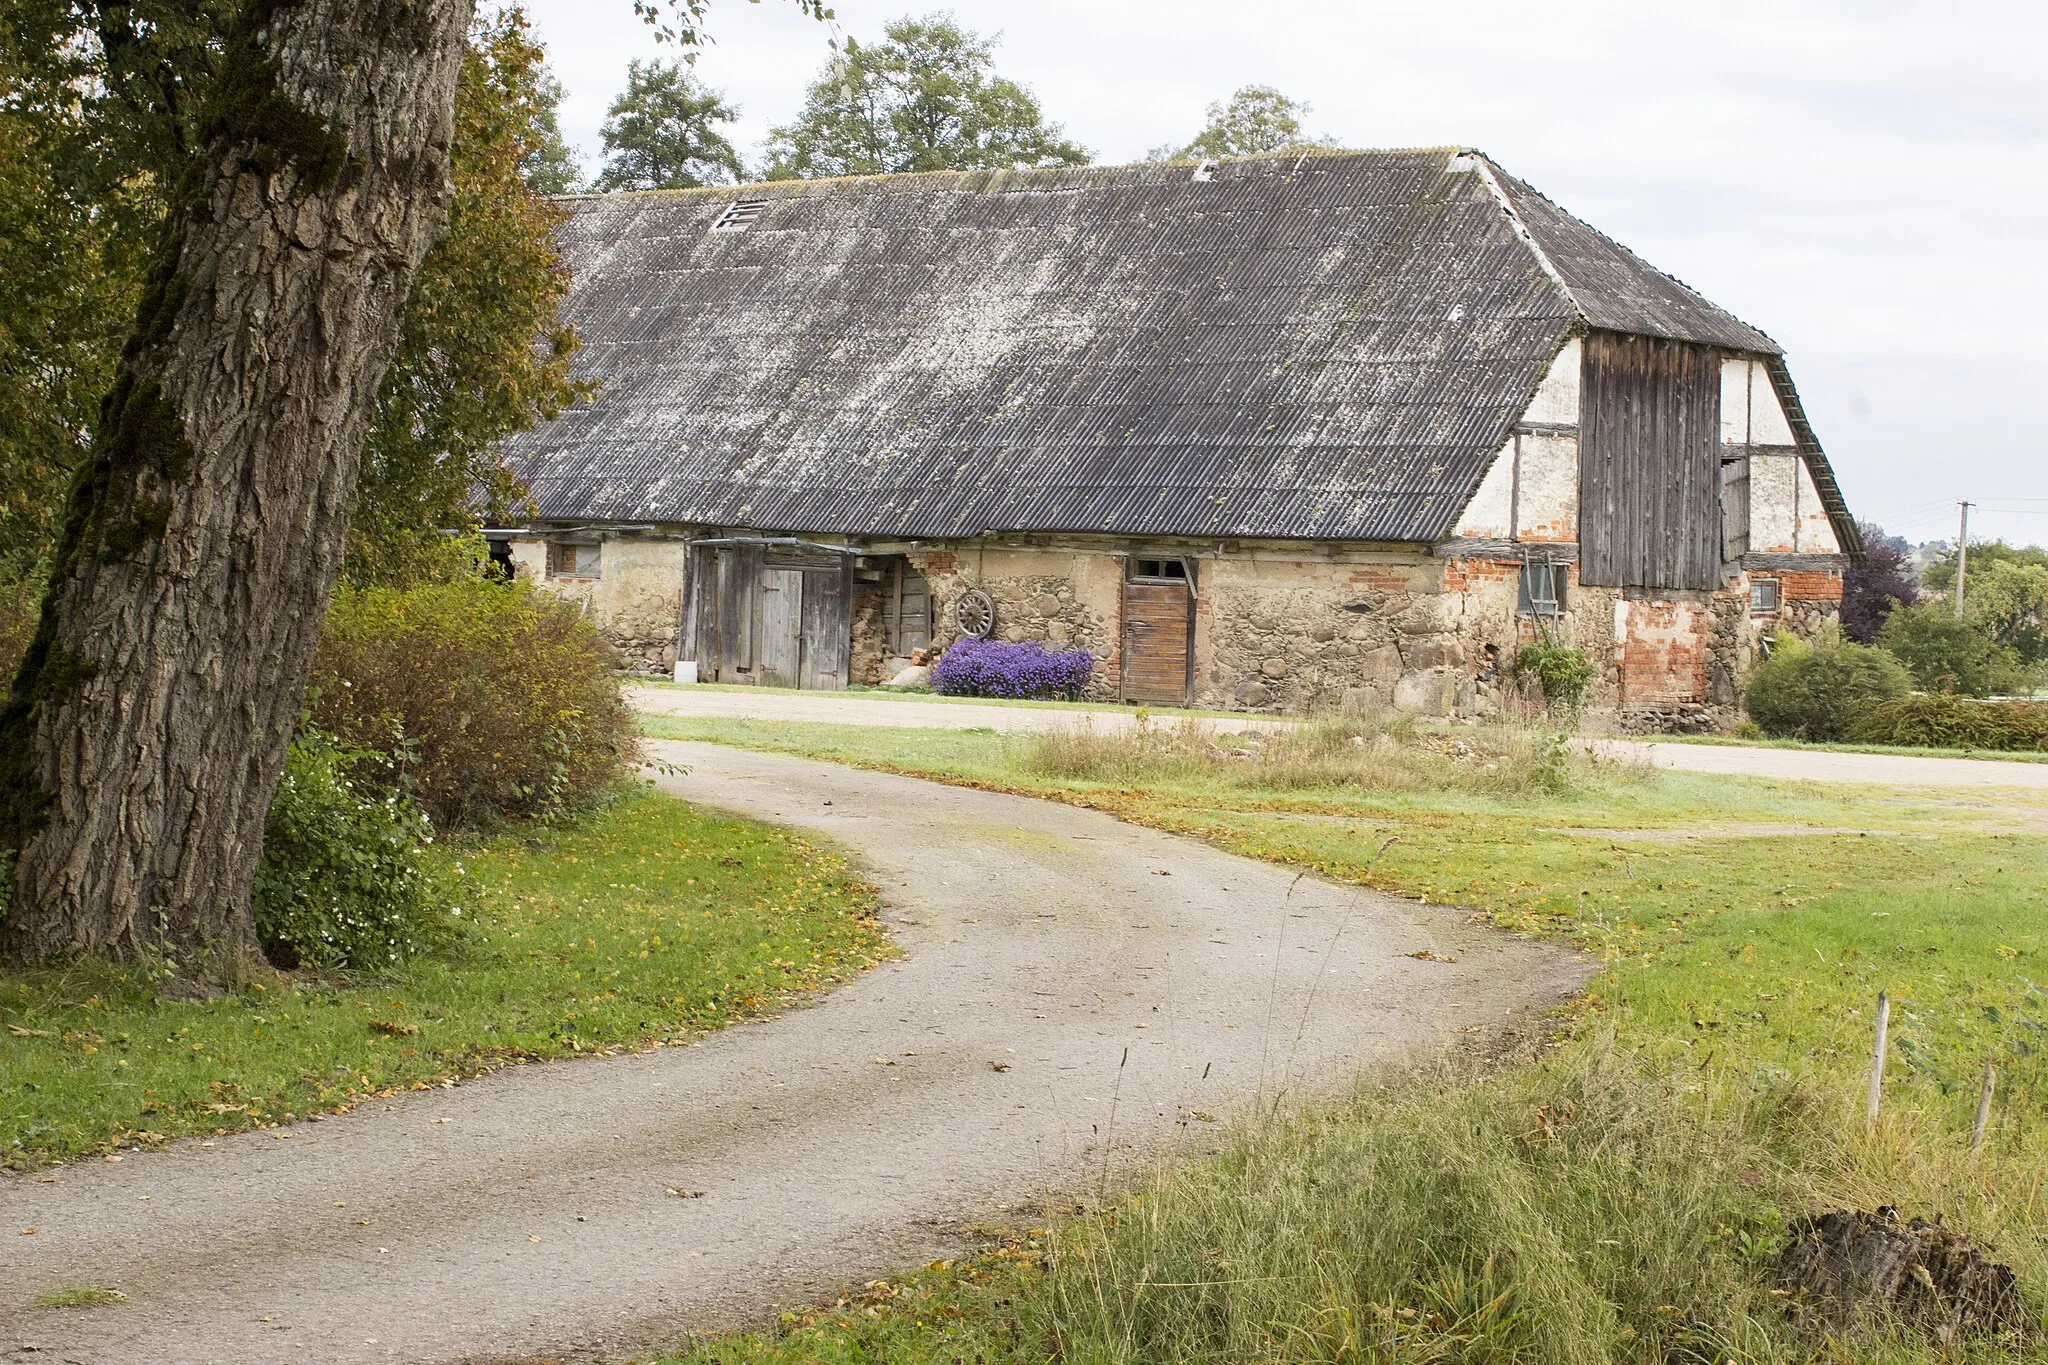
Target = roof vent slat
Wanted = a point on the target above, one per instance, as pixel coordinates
(740, 215)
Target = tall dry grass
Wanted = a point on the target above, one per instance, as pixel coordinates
(1593, 1208)
(1377, 751)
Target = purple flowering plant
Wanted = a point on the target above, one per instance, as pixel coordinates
(991, 668)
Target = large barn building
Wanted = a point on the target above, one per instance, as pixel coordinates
(1261, 433)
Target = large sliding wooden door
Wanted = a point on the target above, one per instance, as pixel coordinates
(770, 615)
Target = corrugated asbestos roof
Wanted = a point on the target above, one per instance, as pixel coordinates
(1328, 347)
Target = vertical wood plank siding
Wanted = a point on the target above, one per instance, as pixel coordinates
(1158, 619)
(1649, 464)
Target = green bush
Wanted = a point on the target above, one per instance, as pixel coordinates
(343, 883)
(1817, 691)
(1562, 672)
(1945, 654)
(492, 700)
(1939, 721)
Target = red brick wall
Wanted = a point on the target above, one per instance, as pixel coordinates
(1810, 586)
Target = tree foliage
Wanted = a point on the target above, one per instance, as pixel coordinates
(1872, 586)
(99, 112)
(662, 132)
(1255, 121)
(482, 355)
(926, 98)
(1945, 653)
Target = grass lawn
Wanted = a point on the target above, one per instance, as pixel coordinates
(647, 920)
(1622, 1197)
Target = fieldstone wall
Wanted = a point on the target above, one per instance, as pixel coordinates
(1062, 599)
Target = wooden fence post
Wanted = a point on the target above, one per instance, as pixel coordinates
(1884, 1019)
(1983, 1106)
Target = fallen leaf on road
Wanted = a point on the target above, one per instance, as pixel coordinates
(998, 1066)
(882, 1061)
(28, 1232)
(1427, 956)
(679, 1192)
(531, 1238)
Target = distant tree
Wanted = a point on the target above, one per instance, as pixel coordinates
(2008, 601)
(1871, 587)
(1940, 576)
(1945, 654)
(549, 162)
(925, 99)
(662, 133)
(1256, 121)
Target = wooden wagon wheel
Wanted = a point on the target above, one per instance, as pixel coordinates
(975, 614)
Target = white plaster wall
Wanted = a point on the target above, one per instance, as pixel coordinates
(1557, 397)
(530, 559)
(1549, 504)
(1767, 424)
(1773, 484)
(1491, 510)
(1816, 535)
(1735, 401)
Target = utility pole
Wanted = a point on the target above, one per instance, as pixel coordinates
(1962, 554)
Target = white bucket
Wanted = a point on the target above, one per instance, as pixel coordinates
(686, 670)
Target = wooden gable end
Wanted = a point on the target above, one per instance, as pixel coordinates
(1649, 463)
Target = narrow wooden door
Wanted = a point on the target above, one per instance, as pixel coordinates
(828, 626)
(778, 628)
(1157, 616)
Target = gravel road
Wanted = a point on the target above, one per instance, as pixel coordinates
(1076, 994)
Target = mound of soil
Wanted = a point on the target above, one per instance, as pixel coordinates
(1848, 1267)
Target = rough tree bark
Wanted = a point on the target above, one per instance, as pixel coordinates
(149, 721)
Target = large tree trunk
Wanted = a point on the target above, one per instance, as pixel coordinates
(149, 721)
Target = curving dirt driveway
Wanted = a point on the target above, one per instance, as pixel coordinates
(1076, 993)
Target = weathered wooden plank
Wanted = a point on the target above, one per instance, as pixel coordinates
(827, 626)
(778, 628)
(1155, 663)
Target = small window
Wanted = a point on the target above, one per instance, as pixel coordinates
(1542, 591)
(567, 560)
(740, 215)
(1763, 597)
(1159, 570)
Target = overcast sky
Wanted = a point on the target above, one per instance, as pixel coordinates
(1867, 182)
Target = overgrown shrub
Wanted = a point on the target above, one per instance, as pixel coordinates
(1562, 672)
(1939, 721)
(343, 883)
(991, 668)
(491, 699)
(1947, 654)
(1816, 691)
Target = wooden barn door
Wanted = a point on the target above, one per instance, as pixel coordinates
(768, 617)
(779, 628)
(1649, 464)
(1159, 624)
